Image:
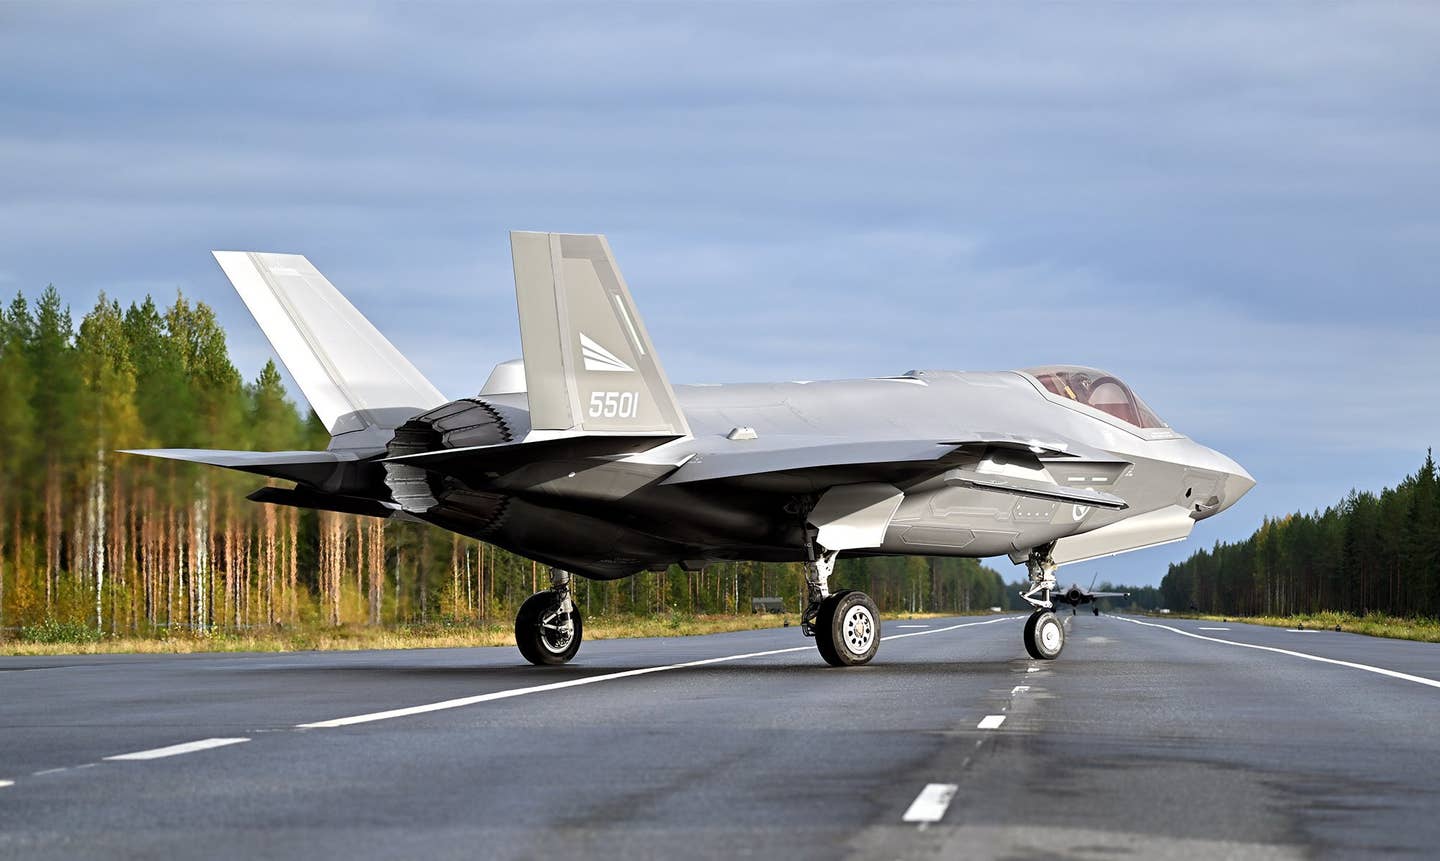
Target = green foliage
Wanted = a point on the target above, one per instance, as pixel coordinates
(1367, 554)
(56, 631)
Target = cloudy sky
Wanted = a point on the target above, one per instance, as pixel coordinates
(1235, 207)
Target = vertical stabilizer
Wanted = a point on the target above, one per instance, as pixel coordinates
(589, 365)
(356, 381)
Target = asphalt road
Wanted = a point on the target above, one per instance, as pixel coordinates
(1139, 741)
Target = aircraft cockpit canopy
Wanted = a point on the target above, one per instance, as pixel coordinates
(1098, 390)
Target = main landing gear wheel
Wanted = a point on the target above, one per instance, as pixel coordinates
(548, 634)
(1044, 635)
(847, 629)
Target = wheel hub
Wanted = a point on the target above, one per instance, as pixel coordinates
(1050, 635)
(556, 631)
(858, 630)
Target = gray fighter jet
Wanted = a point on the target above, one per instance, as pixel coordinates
(584, 457)
(1077, 596)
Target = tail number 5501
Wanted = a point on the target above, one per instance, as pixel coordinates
(614, 405)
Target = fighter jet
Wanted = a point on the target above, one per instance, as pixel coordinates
(582, 455)
(1077, 595)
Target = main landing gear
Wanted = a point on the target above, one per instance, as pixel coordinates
(1044, 633)
(548, 629)
(845, 624)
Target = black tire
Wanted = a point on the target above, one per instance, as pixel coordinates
(1029, 635)
(824, 621)
(1044, 635)
(535, 634)
(847, 630)
(1096, 611)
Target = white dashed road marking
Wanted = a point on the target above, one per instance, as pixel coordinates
(929, 806)
(1020, 689)
(1379, 671)
(1214, 629)
(177, 749)
(5, 783)
(990, 722)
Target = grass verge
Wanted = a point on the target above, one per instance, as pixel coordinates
(433, 636)
(1371, 625)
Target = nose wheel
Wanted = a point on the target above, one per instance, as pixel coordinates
(1044, 635)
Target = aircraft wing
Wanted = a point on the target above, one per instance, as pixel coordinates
(987, 461)
(783, 453)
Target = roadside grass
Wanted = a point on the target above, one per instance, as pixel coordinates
(51, 639)
(1371, 625)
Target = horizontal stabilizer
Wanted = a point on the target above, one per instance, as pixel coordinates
(354, 378)
(317, 468)
(300, 497)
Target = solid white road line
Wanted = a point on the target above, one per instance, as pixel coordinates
(990, 722)
(177, 749)
(1379, 671)
(591, 680)
(929, 806)
(952, 628)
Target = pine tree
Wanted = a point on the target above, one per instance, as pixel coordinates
(108, 421)
(54, 402)
(16, 456)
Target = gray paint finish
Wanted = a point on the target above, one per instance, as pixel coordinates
(603, 468)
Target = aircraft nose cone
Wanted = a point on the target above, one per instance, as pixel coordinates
(1237, 483)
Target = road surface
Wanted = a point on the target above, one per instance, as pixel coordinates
(1147, 738)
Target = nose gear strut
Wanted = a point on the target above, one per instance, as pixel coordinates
(1044, 633)
(1041, 568)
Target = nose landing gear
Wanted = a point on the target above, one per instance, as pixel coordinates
(548, 628)
(1044, 635)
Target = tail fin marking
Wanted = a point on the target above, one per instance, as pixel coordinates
(589, 363)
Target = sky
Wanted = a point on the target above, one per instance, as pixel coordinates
(1234, 207)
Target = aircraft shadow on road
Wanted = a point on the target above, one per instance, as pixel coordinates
(524, 675)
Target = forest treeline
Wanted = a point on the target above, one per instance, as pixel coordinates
(108, 543)
(1369, 553)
